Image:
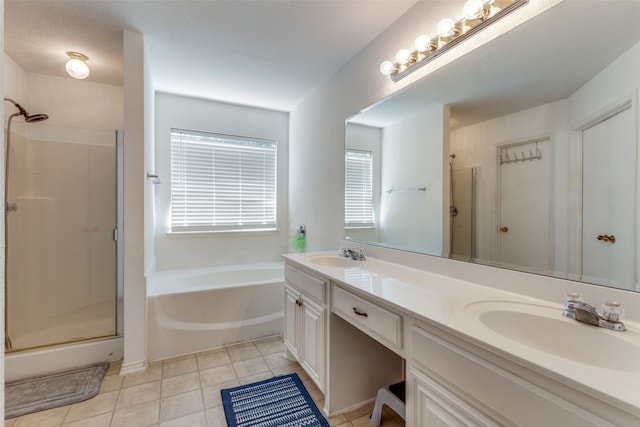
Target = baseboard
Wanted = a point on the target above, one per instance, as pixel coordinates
(133, 367)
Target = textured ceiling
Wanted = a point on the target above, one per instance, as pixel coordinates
(265, 53)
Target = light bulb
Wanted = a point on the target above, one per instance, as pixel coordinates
(76, 66)
(422, 43)
(403, 56)
(446, 27)
(472, 9)
(386, 68)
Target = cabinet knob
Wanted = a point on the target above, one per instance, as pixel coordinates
(606, 238)
(504, 229)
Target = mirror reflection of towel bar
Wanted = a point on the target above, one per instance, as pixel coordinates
(402, 190)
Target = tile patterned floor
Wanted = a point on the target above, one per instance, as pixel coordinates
(185, 392)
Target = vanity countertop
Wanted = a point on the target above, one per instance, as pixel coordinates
(452, 304)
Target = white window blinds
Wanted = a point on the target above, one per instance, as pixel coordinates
(358, 189)
(222, 182)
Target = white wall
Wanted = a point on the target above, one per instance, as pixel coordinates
(135, 292)
(208, 249)
(412, 153)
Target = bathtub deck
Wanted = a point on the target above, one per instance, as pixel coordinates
(185, 391)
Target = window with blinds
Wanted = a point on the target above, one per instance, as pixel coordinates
(222, 182)
(358, 193)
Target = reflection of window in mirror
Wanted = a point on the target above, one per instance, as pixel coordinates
(358, 189)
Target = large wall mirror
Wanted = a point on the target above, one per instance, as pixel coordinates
(522, 154)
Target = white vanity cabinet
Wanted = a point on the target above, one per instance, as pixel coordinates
(451, 382)
(353, 338)
(305, 321)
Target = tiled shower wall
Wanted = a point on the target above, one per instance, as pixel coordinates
(61, 256)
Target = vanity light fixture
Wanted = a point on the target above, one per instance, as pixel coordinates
(77, 65)
(478, 14)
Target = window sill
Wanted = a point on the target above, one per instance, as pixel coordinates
(238, 233)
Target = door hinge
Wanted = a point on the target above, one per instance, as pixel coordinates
(115, 235)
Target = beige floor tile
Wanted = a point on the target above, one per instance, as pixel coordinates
(255, 378)
(180, 384)
(181, 405)
(277, 360)
(111, 383)
(152, 373)
(242, 352)
(97, 405)
(270, 346)
(103, 420)
(179, 366)
(386, 421)
(250, 367)
(48, 418)
(313, 390)
(357, 413)
(338, 420)
(393, 414)
(217, 375)
(145, 414)
(9, 423)
(139, 394)
(211, 394)
(291, 369)
(193, 420)
(215, 417)
(114, 368)
(212, 358)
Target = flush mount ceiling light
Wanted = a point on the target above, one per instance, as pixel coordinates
(478, 14)
(76, 65)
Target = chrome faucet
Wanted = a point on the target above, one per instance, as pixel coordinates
(575, 308)
(354, 254)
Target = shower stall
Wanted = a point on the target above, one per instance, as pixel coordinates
(61, 214)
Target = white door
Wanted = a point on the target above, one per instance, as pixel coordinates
(608, 182)
(523, 229)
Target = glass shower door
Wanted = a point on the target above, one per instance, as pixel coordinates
(61, 256)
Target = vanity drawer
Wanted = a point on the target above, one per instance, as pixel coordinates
(374, 320)
(310, 285)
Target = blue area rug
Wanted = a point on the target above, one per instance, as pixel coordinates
(277, 402)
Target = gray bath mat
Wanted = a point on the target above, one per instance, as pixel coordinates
(36, 394)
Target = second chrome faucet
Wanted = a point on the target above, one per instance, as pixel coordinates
(611, 317)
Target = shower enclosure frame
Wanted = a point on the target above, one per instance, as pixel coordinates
(28, 362)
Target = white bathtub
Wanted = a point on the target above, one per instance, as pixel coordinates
(196, 310)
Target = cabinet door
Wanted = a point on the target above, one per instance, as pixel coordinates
(313, 320)
(291, 319)
(435, 406)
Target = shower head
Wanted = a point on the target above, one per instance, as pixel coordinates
(34, 118)
(29, 118)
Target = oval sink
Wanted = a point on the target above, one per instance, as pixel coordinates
(545, 329)
(335, 261)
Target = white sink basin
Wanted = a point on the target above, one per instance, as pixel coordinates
(335, 261)
(545, 329)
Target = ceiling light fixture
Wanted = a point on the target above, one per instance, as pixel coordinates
(76, 65)
(478, 14)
